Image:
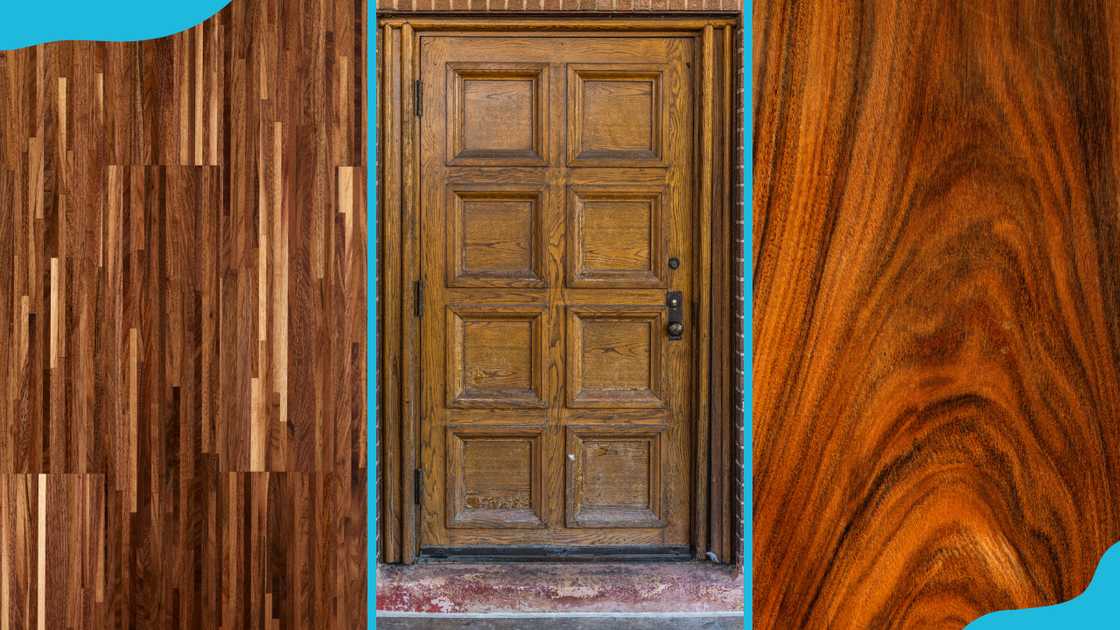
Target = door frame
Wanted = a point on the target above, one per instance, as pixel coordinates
(713, 498)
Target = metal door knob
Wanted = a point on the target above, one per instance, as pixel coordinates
(676, 329)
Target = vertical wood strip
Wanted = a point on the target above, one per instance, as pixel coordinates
(410, 393)
(63, 145)
(24, 331)
(5, 569)
(35, 181)
(723, 317)
(703, 341)
(212, 76)
(346, 203)
(279, 275)
(257, 426)
(41, 557)
(54, 332)
(183, 65)
(389, 313)
(264, 227)
(99, 95)
(199, 82)
(133, 479)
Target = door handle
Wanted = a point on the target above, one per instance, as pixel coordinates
(675, 301)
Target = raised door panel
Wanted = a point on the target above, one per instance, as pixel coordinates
(616, 115)
(616, 237)
(494, 478)
(497, 114)
(495, 236)
(614, 476)
(614, 356)
(495, 355)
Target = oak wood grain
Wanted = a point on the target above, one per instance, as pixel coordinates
(182, 326)
(937, 322)
(568, 329)
(399, 132)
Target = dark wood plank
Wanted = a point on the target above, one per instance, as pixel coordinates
(182, 326)
(937, 330)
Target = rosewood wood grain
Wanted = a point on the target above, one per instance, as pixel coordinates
(937, 322)
(182, 328)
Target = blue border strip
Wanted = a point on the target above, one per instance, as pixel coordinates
(30, 23)
(748, 317)
(372, 192)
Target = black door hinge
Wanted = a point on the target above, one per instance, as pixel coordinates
(418, 99)
(418, 305)
(417, 486)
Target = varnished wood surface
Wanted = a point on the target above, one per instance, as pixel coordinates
(556, 180)
(182, 338)
(937, 308)
(400, 230)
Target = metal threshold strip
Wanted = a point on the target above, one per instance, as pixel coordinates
(543, 553)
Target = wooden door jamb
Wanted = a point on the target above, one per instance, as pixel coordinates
(399, 242)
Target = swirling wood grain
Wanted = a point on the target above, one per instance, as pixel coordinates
(937, 307)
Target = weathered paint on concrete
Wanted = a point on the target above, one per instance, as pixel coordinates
(559, 587)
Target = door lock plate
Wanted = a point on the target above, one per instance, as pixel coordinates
(675, 301)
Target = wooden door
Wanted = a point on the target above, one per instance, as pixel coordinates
(557, 215)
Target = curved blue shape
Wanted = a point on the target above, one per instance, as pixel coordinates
(30, 22)
(1097, 607)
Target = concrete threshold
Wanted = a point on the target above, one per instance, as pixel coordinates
(548, 590)
(714, 620)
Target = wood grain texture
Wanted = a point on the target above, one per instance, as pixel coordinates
(401, 421)
(182, 326)
(937, 320)
(572, 333)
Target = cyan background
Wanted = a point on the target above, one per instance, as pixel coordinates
(29, 22)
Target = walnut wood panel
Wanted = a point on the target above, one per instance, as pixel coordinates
(182, 326)
(937, 327)
(633, 207)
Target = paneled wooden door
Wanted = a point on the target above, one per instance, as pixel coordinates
(557, 218)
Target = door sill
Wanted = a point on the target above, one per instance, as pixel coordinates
(549, 553)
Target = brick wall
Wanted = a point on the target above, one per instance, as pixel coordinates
(634, 7)
(737, 269)
(374, 301)
(560, 5)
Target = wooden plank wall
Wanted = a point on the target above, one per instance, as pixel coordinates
(937, 308)
(182, 326)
